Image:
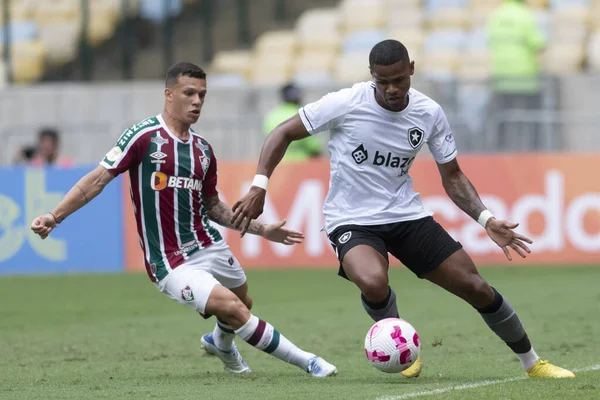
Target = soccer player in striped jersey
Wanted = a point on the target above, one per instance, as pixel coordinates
(173, 173)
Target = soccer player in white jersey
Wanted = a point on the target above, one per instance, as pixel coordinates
(173, 173)
(376, 130)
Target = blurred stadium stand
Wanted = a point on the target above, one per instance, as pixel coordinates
(322, 45)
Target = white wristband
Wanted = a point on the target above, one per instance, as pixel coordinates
(261, 181)
(484, 216)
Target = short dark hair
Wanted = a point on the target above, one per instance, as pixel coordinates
(183, 68)
(50, 133)
(388, 52)
(290, 93)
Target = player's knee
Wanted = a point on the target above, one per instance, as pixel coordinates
(374, 287)
(247, 300)
(234, 312)
(480, 293)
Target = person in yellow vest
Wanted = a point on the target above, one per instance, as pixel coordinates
(515, 43)
(300, 150)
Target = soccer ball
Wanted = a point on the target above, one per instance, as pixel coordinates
(392, 345)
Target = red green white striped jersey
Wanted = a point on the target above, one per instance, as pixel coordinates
(169, 179)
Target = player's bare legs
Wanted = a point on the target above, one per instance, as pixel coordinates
(223, 334)
(227, 307)
(458, 275)
(242, 293)
(220, 341)
(367, 268)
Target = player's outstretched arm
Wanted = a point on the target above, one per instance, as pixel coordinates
(251, 205)
(80, 194)
(460, 189)
(221, 213)
(462, 192)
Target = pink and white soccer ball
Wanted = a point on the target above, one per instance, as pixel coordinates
(392, 345)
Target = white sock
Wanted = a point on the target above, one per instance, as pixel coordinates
(528, 359)
(263, 336)
(223, 336)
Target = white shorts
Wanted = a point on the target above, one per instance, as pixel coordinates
(192, 282)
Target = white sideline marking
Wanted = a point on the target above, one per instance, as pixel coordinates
(466, 386)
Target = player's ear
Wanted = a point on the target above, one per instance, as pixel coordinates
(412, 67)
(168, 94)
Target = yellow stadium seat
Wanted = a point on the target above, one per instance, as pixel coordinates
(412, 18)
(537, 3)
(100, 30)
(277, 41)
(61, 40)
(449, 18)
(411, 38)
(318, 30)
(237, 61)
(271, 76)
(485, 4)
(318, 22)
(27, 61)
(272, 68)
(595, 18)
(19, 11)
(478, 17)
(327, 42)
(359, 15)
(104, 18)
(110, 9)
(315, 61)
(563, 59)
(404, 4)
(57, 10)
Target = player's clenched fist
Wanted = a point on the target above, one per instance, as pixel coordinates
(43, 225)
(248, 208)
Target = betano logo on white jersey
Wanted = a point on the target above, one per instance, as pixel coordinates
(372, 150)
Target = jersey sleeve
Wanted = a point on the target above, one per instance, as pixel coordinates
(441, 142)
(126, 154)
(326, 113)
(209, 186)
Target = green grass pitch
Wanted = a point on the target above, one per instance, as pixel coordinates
(117, 337)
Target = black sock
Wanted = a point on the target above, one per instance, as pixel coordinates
(381, 310)
(503, 320)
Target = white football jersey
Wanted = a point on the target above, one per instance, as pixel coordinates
(371, 150)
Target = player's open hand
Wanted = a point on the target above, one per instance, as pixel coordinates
(248, 208)
(277, 233)
(43, 225)
(503, 234)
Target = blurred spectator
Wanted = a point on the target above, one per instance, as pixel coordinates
(298, 150)
(24, 155)
(47, 152)
(515, 43)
